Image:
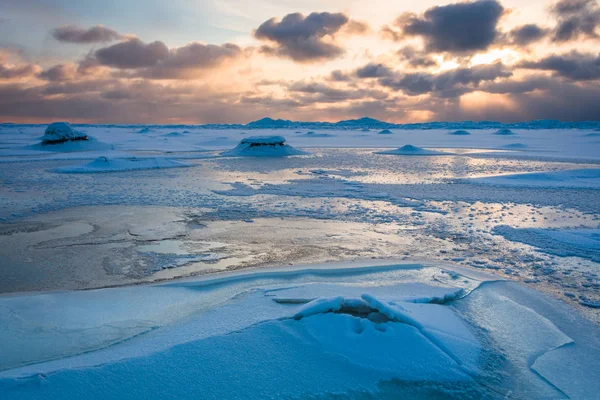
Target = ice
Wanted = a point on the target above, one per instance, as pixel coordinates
(105, 164)
(385, 132)
(59, 132)
(410, 150)
(263, 146)
(459, 133)
(504, 132)
(319, 306)
(578, 178)
(583, 243)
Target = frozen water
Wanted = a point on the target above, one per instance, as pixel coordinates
(105, 164)
(263, 146)
(59, 132)
(409, 150)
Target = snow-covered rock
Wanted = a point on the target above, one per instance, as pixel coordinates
(263, 146)
(410, 150)
(60, 132)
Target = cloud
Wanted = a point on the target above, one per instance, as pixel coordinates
(453, 28)
(132, 53)
(416, 58)
(372, 70)
(154, 60)
(60, 72)
(524, 35)
(303, 38)
(9, 71)
(576, 19)
(75, 34)
(448, 84)
(574, 66)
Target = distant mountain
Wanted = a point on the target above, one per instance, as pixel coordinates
(270, 123)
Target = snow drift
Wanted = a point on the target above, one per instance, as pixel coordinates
(459, 133)
(263, 146)
(410, 150)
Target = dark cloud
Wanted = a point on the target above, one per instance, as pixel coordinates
(453, 28)
(576, 19)
(60, 72)
(575, 66)
(155, 60)
(526, 34)
(75, 34)
(338, 76)
(303, 38)
(416, 58)
(372, 70)
(132, 53)
(448, 84)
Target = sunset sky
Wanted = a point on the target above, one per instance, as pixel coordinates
(231, 61)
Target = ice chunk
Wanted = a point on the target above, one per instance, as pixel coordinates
(263, 146)
(385, 132)
(319, 306)
(60, 132)
(410, 150)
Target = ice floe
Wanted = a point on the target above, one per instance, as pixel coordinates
(263, 146)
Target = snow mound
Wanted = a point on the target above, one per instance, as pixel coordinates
(410, 150)
(504, 132)
(459, 133)
(514, 146)
(263, 146)
(145, 130)
(105, 164)
(173, 134)
(588, 178)
(316, 135)
(60, 132)
(385, 132)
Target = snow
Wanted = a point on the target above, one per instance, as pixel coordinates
(410, 150)
(504, 132)
(577, 178)
(263, 146)
(385, 132)
(459, 133)
(59, 132)
(224, 337)
(105, 164)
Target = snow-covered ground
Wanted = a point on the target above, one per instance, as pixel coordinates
(275, 271)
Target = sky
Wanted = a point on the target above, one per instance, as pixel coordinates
(232, 61)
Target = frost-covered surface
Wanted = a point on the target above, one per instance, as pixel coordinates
(263, 146)
(583, 243)
(460, 133)
(226, 337)
(105, 164)
(576, 178)
(59, 132)
(410, 150)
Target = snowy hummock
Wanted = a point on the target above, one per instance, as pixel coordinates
(459, 133)
(385, 132)
(105, 164)
(60, 132)
(410, 150)
(504, 132)
(576, 178)
(261, 146)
